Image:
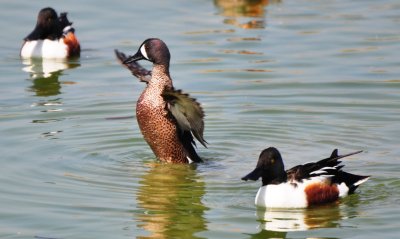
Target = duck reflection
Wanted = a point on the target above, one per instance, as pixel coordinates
(299, 219)
(45, 73)
(275, 223)
(171, 197)
(255, 9)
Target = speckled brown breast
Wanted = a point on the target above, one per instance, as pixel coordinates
(157, 127)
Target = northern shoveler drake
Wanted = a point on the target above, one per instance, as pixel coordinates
(52, 37)
(303, 185)
(167, 118)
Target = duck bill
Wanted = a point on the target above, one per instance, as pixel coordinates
(254, 175)
(138, 56)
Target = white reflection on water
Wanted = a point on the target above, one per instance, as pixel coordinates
(286, 220)
(43, 67)
(45, 74)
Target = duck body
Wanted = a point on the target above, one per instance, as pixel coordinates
(156, 124)
(167, 118)
(45, 49)
(52, 37)
(307, 193)
(303, 185)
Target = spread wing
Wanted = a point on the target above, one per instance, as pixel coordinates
(137, 70)
(328, 166)
(187, 112)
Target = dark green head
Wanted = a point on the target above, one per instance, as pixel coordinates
(47, 26)
(269, 167)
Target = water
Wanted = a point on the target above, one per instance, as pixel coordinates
(303, 76)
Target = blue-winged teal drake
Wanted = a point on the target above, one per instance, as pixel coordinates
(52, 37)
(303, 185)
(167, 118)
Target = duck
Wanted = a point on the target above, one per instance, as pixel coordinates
(302, 186)
(168, 119)
(52, 37)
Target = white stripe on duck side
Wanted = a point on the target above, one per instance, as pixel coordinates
(45, 49)
(300, 194)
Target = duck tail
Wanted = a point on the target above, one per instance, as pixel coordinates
(352, 181)
(188, 143)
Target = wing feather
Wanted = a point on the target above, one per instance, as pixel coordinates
(187, 112)
(325, 166)
(136, 69)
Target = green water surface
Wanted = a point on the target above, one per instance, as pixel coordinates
(303, 76)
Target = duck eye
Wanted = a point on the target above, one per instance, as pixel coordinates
(272, 161)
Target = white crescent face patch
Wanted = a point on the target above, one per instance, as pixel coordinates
(143, 51)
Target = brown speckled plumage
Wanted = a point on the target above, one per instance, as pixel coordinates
(169, 141)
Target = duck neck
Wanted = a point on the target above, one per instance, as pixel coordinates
(160, 75)
(274, 178)
(161, 69)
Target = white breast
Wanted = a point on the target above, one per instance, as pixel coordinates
(283, 195)
(45, 49)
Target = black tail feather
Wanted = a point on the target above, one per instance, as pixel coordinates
(187, 140)
(352, 181)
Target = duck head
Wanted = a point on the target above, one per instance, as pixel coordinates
(269, 167)
(153, 50)
(47, 26)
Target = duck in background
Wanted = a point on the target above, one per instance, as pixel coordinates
(52, 37)
(303, 185)
(168, 119)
